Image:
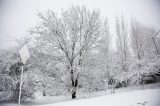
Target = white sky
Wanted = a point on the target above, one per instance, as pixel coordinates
(16, 16)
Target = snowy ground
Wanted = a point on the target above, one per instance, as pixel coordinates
(149, 97)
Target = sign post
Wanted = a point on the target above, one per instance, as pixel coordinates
(24, 54)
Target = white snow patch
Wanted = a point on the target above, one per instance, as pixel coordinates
(150, 97)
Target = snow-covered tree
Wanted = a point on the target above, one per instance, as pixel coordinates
(69, 37)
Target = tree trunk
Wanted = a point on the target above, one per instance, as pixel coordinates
(157, 51)
(74, 94)
(75, 89)
(73, 86)
(44, 93)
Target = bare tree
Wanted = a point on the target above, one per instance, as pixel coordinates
(122, 39)
(137, 39)
(104, 44)
(153, 37)
(70, 37)
(143, 40)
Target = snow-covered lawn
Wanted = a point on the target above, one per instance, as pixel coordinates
(149, 97)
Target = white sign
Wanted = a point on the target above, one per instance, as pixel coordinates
(24, 53)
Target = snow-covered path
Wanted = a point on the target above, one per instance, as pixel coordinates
(150, 97)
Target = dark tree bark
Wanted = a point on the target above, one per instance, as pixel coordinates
(74, 94)
(73, 85)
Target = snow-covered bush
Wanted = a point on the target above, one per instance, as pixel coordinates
(10, 76)
(6, 88)
(144, 71)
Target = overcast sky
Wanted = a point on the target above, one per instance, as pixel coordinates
(16, 16)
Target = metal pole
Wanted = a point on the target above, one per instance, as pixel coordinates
(20, 87)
